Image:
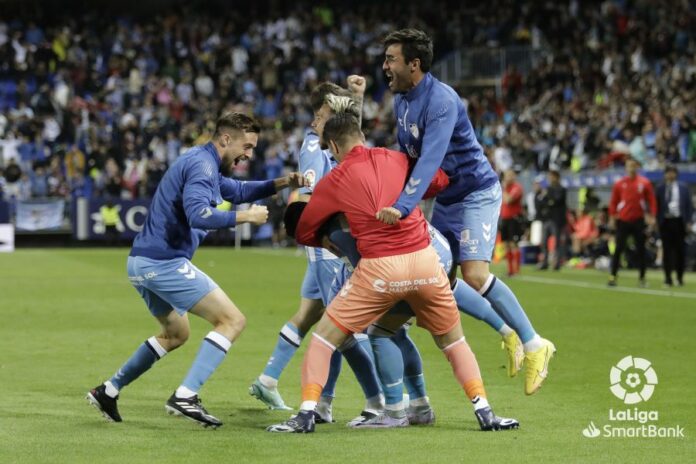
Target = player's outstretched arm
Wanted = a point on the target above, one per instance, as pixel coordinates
(257, 214)
(198, 201)
(357, 85)
(237, 191)
(294, 180)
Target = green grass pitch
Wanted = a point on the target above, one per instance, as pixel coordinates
(70, 318)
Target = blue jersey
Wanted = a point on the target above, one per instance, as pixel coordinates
(432, 122)
(315, 163)
(184, 206)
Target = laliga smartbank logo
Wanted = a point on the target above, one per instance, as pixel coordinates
(633, 381)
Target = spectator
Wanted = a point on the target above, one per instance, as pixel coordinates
(631, 207)
(101, 81)
(584, 234)
(674, 215)
(512, 218)
(553, 210)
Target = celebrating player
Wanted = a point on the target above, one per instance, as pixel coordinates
(315, 162)
(398, 264)
(159, 266)
(432, 122)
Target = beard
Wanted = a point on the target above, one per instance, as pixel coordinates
(226, 168)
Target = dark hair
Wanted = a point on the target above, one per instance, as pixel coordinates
(671, 168)
(318, 96)
(341, 126)
(415, 44)
(236, 122)
(292, 216)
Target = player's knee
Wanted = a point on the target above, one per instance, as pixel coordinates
(176, 339)
(475, 278)
(235, 322)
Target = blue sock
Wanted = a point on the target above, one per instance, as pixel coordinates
(289, 340)
(470, 302)
(335, 369)
(362, 364)
(413, 365)
(364, 341)
(139, 362)
(210, 355)
(506, 305)
(390, 366)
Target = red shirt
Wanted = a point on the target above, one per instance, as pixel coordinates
(367, 180)
(632, 198)
(514, 208)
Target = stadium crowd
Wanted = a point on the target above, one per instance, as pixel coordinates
(96, 105)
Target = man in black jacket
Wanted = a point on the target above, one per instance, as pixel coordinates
(674, 214)
(551, 208)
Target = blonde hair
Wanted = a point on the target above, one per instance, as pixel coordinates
(342, 104)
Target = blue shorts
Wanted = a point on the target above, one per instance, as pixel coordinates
(471, 225)
(318, 278)
(340, 278)
(168, 284)
(442, 247)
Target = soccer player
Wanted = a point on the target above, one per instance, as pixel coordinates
(397, 358)
(315, 162)
(159, 266)
(398, 264)
(511, 220)
(433, 128)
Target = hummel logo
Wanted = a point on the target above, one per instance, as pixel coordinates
(411, 186)
(486, 231)
(346, 288)
(312, 145)
(185, 270)
(206, 213)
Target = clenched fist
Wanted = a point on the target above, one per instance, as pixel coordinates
(257, 214)
(297, 180)
(357, 84)
(388, 215)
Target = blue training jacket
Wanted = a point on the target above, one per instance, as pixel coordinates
(433, 127)
(184, 206)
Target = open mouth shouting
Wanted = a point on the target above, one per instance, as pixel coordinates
(241, 158)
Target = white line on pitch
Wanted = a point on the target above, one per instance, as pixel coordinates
(569, 283)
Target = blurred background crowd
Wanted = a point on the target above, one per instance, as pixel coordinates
(99, 102)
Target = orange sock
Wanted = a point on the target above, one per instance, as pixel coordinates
(465, 368)
(509, 256)
(315, 371)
